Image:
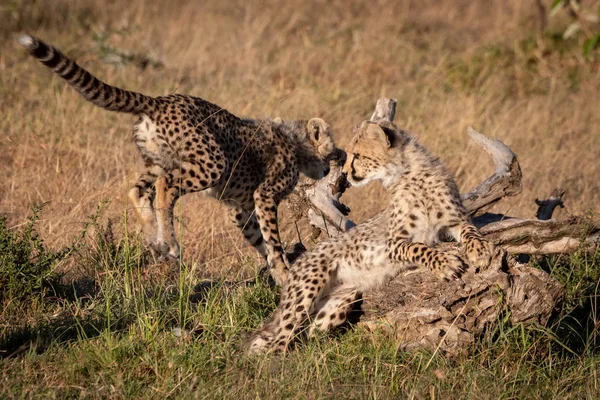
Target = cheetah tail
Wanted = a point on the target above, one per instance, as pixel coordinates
(91, 88)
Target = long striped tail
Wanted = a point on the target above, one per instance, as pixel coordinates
(91, 88)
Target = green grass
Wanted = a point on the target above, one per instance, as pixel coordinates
(112, 335)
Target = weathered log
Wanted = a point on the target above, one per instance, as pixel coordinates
(530, 236)
(423, 311)
(319, 201)
(505, 181)
(543, 235)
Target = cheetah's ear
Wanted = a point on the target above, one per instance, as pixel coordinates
(381, 134)
(316, 127)
(278, 120)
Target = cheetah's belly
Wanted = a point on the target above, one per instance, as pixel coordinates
(369, 268)
(151, 144)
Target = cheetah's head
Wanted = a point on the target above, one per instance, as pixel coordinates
(372, 153)
(315, 147)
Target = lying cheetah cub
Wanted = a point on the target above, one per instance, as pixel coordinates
(189, 145)
(423, 202)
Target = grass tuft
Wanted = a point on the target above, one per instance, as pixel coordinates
(27, 266)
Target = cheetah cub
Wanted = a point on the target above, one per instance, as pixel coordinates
(190, 145)
(423, 203)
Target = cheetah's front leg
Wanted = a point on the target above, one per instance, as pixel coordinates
(410, 224)
(265, 201)
(246, 221)
(443, 265)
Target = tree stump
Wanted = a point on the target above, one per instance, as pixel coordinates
(425, 312)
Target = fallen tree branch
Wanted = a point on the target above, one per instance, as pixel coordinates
(505, 181)
(530, 236)
(319, 201)
(543, 235)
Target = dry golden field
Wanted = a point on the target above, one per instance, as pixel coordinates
(450, 64)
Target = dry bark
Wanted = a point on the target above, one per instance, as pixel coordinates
(530, 236)
(425, 312)
(504, 182)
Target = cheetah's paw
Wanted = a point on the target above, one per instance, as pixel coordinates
(279, 272)
(479, 253)
(259, 343)
(264, 339)
(165, 253)
(448, 267)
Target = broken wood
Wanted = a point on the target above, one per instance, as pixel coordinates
(319, 201)
(385, 109)
(530, 236)
(546, 207)
(423, 311)
(505, 181)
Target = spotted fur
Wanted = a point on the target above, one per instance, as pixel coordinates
(423, 203)
(190, 145)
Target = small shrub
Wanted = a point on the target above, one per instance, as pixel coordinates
(27, 266)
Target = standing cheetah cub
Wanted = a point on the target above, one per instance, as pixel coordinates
(424, 202)
(189, 145)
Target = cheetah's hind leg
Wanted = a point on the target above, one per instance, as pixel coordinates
(300, 295)
(333, 308)
(263, 339)
(141, 197)
(169, 188)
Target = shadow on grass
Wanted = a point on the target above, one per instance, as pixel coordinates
(201, 291)
(63, 327)
(577, 328)
(577, 321)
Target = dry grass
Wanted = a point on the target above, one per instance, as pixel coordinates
(450, 64)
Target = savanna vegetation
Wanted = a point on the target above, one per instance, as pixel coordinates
(85, 310)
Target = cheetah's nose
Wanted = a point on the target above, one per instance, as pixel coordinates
(326, 171)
